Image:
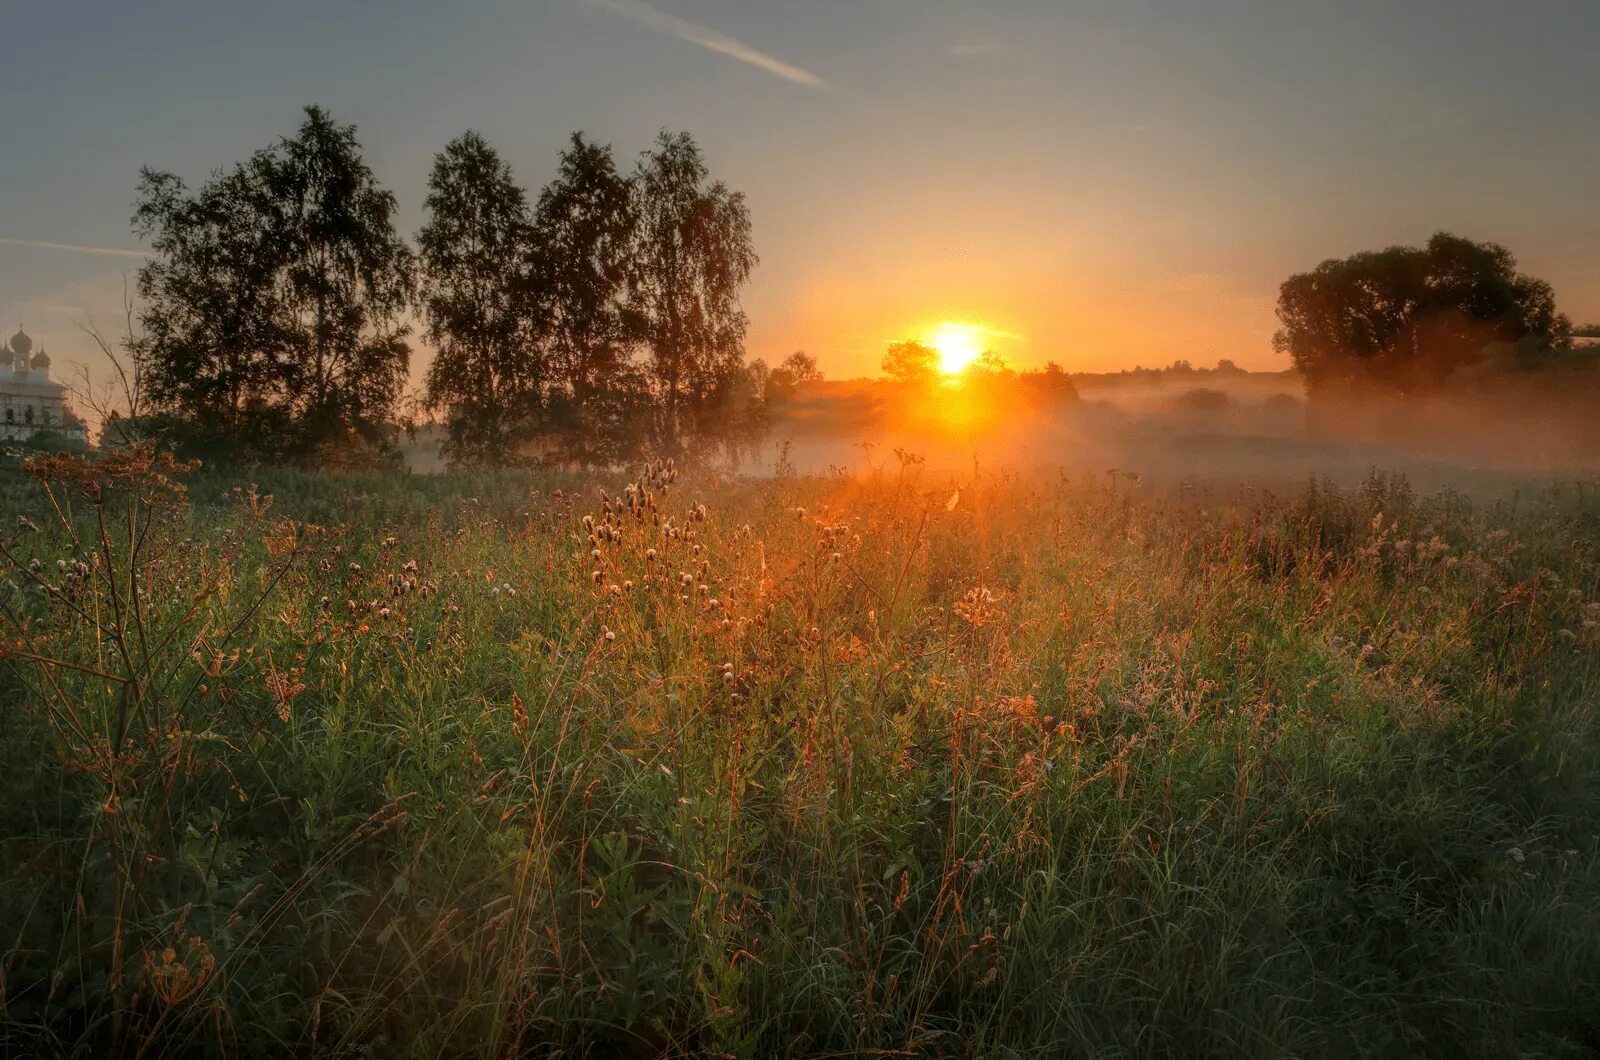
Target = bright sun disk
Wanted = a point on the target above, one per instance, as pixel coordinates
(957, 347)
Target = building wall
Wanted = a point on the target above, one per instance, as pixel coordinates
(31, 406)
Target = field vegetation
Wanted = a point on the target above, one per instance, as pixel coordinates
(899, 763)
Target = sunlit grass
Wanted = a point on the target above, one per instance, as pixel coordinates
(899, 764)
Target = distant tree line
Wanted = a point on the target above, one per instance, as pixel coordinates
(595, 321)
(1407, 319)
(915, 366)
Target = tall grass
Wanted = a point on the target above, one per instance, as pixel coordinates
(885, 765)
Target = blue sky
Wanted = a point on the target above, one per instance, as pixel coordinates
(1101, 183)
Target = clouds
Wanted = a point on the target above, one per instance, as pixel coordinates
(74, 248)
(711, 39)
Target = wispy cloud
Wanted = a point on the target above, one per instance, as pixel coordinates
(706, 37)
(74, 248)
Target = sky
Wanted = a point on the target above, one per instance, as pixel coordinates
(1102, 184)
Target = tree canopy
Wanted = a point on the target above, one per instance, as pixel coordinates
(483, 314)
(272, 312)
(796, 370)
(1408, 317)
(911, 363)
(600, 320)
(692, 252)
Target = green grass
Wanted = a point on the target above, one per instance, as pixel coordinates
(1012, 766)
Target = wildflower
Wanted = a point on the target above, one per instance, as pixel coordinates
(355, 568)
(597, 576)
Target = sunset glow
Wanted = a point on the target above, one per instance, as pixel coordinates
(958, 347)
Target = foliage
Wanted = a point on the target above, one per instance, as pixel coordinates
(600, 324)
(911, 364)
(1202, 401)
(797, 369)
(691, 253)
(1409, 317)
(529, 764)
(584, 231)
(271, 311)
(347, 278)
(483, 313)
(214, 347)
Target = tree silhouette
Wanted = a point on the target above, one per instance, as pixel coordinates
(797, 368)
(911, 363)
(476, 252)
(214, 351)
(1408, 317)
(347, 279)
(272, 309)
(606, 317)
(692, 252)
(584, 226)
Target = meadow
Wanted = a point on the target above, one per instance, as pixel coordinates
(897, 763)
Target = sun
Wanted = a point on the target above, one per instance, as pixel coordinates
(957, 346)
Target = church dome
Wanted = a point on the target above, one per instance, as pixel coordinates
(41, 361)
(21, 343)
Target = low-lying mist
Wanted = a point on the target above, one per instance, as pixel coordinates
(1258, 427)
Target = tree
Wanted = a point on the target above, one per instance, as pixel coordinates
(796, 369)
(759, 373)
(272, 309)
(1408, 317)
(911, 363)
(214, 350)
(584, 226)
(475, 252)
(348, 277)
(1051, 385)
(692, 253)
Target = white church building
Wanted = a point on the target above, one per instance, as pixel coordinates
(31, 403)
